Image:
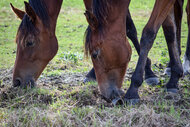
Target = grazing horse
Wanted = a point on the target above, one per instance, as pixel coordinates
(131, 32)
(107, 44)
(36, 40)
(168, 14)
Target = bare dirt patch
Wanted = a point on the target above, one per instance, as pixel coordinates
(81, 104)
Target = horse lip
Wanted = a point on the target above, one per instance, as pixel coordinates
(112, 92)
(29, 83)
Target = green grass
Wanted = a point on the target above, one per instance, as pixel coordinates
(61, 100)
(70, 30)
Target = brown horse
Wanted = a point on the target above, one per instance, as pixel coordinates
(150, 77)
(167, 13)
(36, 40)
(107, 44)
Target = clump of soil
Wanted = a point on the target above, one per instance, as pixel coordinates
(18, 98)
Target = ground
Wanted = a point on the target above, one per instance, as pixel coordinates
(60, 98)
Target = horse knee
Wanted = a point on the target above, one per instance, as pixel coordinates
(131, 34)
(169, 33)
(148, 62)
(147, 38)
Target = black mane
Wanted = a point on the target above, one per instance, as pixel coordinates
(40, 9)
(101, 10)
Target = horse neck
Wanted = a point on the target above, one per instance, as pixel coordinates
(120, 7)
(117, 19)
(53, 7)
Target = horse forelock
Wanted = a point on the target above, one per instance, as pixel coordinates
(87, 40)
(27, 26)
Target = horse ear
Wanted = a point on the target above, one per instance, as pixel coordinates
(91, 19)
(30, 12)
(20, 14)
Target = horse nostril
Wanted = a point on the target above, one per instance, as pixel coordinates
(17, 83)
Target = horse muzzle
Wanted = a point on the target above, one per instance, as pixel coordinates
(29, 83)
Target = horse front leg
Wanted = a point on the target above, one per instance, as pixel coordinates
(186, 60)
(178, 13)
(159, 14)
(169, 27)
(150, 77)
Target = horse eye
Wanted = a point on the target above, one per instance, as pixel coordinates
(95, 54)
(29, 44)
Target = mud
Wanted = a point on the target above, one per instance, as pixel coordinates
(84, 94)
(88, 94)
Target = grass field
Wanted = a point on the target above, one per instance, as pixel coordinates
(61, 100)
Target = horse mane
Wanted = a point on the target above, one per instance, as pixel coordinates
(41, 11)
(100, 9)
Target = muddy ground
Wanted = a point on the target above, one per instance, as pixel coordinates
(154, 101)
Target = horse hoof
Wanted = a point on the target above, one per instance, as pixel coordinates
(118, 101)
(86, 80)
(172, 90)
(152, 81)
(132, 101)
(167, 71)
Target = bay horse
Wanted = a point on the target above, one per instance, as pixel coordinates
(107, 44)
(171, 23)
(167, 13)
(36, 40)
(150, 77)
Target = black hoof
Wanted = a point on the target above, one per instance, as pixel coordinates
(172, 90)
(86, 80)
(132, 101)
(152, 81)
(167, 71)
(118, 101)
